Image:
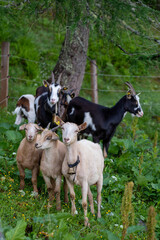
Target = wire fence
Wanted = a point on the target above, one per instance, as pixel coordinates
(100, 73)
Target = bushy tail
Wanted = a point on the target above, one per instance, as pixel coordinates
(19, 117)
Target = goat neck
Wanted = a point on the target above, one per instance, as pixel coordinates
(119, 110)
(49, 151)
(72, 153)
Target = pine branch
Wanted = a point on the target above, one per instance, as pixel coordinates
(139, 34)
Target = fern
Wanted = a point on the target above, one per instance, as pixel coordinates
(17, 233)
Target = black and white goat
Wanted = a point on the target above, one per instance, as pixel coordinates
(25, 109)
(46, 102)
(66, 97)
(103, 121)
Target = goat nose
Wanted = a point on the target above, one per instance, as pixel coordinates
(36, 145)
(66, 139)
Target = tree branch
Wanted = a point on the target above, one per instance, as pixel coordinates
(139, 34)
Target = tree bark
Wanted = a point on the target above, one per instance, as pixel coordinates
(72, 59)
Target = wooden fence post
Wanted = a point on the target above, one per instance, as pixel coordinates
(94, 81)
(4, 74)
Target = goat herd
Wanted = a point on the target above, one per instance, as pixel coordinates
(80, 162)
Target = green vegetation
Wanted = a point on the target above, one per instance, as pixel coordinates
(133, 154)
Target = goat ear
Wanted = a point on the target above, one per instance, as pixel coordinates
(45, 83)
(22, 127)
(64, 88)
(55, 137)
(82, 126)
(39, 128)
(58, 121)
(72, 95)
(129, 95)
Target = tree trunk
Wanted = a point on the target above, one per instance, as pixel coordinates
(72, 59)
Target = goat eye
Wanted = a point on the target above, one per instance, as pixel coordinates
(48, 138)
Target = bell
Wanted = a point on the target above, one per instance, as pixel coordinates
(71, 171)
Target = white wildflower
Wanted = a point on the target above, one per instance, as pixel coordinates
(115, 178)
(34, 194)
(22, 192)
(111, 214)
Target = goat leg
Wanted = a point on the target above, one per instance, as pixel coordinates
(99, 189)
(84, 202)
(57, 193)
(34, 178)
(65, 187)
(22, 176)
(90, 198)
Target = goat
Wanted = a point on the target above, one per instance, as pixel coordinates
(25, 109)
(83, 165)
(27, 155)
(47, 102)
(103, 121)
(51, 164)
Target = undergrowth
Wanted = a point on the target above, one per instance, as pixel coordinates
(131, 158)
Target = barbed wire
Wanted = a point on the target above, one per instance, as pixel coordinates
(89, 89)
(107, 75)
(26, 59)
(114, 90)
(4, 99)
(102, 73)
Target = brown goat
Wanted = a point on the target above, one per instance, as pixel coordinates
(28, 156)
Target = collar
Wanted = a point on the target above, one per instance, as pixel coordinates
(74, 164)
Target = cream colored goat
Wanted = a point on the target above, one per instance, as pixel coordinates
(83, 165)
(27, 155)
(51, 164)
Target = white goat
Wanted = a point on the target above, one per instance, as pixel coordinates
(51, 164)
(25, 109)
(27, 155)
(83, 165)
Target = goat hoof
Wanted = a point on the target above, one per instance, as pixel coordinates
(58, 208)
(49, 205)
(86, 223)
(66, 200)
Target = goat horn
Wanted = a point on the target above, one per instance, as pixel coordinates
(131, 88)
(48, 125)
(55, 128)
(53, 79)
(59, 78)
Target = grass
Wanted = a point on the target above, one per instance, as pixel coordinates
(132, 157)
